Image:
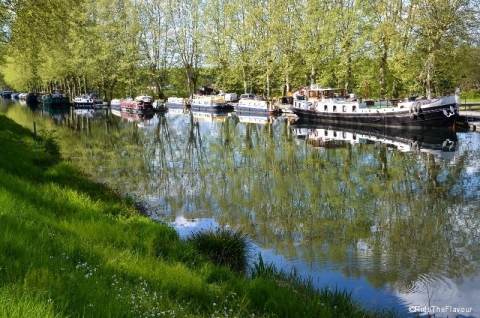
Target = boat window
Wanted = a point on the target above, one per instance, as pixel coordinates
(334, 108)
(354, 108)
(344, 108)
(325, 108)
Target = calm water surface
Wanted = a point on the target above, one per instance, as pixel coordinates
(391, 216)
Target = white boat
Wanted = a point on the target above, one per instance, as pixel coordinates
(178, 102)
(87, 101)
(257, 104)
(333, 105)
(210, 102)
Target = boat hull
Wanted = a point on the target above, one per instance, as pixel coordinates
(6, 94)
(433, 116)
(213, 107)
(85, 105)
(56, 102)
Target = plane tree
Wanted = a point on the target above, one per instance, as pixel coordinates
(186, 33)
(219, 41)
(441, 27)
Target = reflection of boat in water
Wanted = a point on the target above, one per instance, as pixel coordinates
(53, 111)
(89, 112)
(210, 115)
(58, 114)
(255, 118)
(441, 142)
(178, 110)
(115, 103)
(132, 117)
(159, 105)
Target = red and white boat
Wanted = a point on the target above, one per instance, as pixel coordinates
(141, 103)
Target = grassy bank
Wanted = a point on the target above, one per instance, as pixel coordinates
(71, 247)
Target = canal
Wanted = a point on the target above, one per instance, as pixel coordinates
(392, 216)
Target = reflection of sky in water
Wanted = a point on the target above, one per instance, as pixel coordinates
(438, 295)
(469, 144)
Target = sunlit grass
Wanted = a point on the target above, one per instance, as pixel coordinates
(17, 303)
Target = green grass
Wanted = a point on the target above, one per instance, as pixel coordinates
(71, 247)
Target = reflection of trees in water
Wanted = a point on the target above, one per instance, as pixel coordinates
(393, 217)
(356, 205)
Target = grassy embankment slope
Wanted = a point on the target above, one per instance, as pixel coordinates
(70, 247)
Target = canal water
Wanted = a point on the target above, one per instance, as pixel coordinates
(391, 216)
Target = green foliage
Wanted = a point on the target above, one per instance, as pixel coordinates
(128, 48)
(223, 246)
(473, 95)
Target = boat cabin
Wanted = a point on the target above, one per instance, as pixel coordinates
(326, 93)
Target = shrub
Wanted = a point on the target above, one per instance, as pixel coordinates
(50, 149)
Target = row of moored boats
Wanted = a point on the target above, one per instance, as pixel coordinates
(312, 103)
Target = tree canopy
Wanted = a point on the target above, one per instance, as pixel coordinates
(373, 48)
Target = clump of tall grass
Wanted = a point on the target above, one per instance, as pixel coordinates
(17, 303)
(223, 246)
